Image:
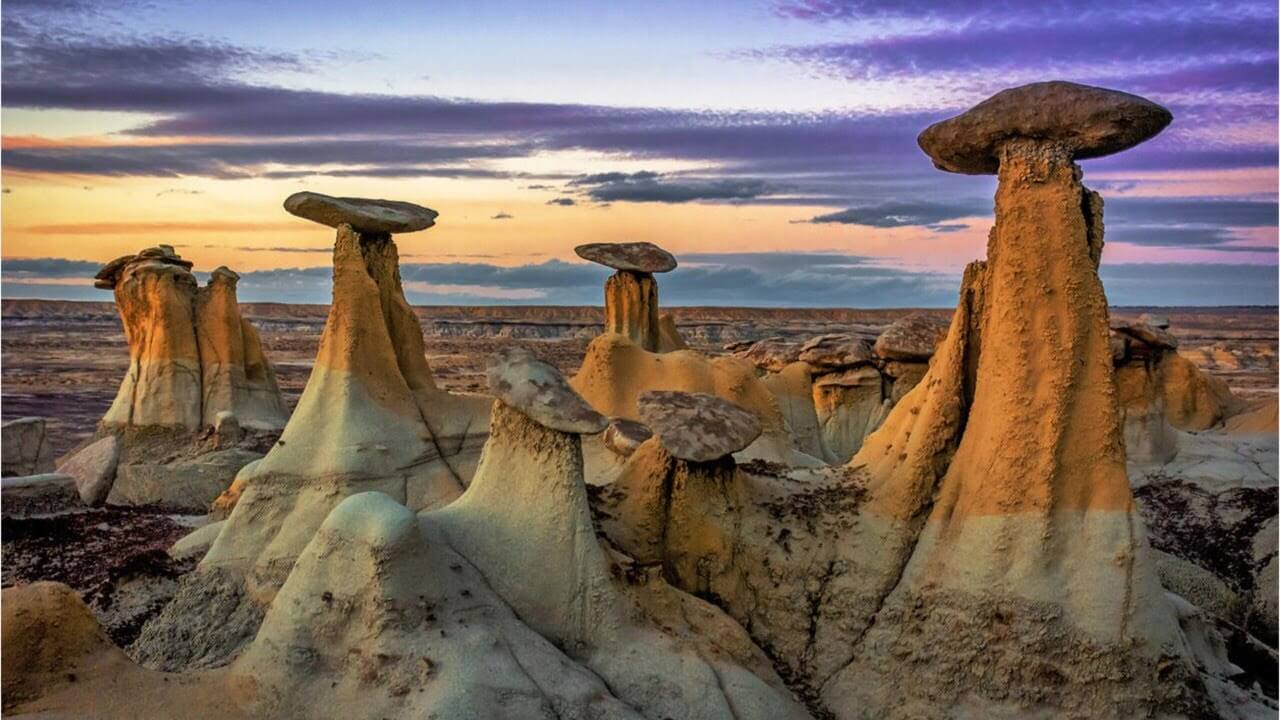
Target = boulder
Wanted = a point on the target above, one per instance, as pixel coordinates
(50, 636)
(697, 426)
(538, 390)
(623, 436)
(25, 447)
(1153, 336)
(362, 214)
(833, 352)
(38, 495)
(1087, 122)
(912, 338)
(770, 354)
(94, 468)
(640, 257)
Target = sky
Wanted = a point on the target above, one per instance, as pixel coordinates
(769, 145)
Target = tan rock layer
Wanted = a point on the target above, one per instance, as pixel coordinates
(631, 308)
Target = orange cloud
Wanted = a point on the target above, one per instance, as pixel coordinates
(134, 228)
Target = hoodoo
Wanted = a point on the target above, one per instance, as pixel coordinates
(1010, 451)
(631, 293)
(370, 419)
(526, 525)
(194, 363)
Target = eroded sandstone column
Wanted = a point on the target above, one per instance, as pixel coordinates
(155, 295)
(1011, 447)
(631, 293)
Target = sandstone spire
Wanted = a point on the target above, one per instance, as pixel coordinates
(194, 364)
(631, 293)
(370, 419)
(1011, 447)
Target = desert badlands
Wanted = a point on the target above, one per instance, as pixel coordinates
(1027, 509)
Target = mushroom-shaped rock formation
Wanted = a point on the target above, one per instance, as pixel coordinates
(363, 215)
(538, 390)
(1010, 452)
(631, 293)
(192, 357)
(1159, 388)
(678, 501)
(697, 426)
(525, 525)
(1081, 121)
(370, 419)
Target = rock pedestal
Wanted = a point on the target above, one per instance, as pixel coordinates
(1010, 450)
(631, 307)
(631, 293)
(370, 419)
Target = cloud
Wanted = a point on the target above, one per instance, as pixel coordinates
(647, 186)
(903, 213)
(984, 11)
(1220, 212)
(562, 201)
(246, 159)
(502, 215)
(726, 279)
(140, 227)
(48, 268)
(1203, 284)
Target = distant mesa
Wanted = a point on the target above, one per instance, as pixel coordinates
(362, 214)
(538, 390)
(643, 257)
(1086, 121)
(697, 426)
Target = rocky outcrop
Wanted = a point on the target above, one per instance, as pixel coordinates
(370, 419)
(526, 526)
(981, 554)
(39, 495)
(194, 364)
(1020, 481)
(1161, 392)
(25, 447)
(631, 293)
(836, 389)
(616, 372)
